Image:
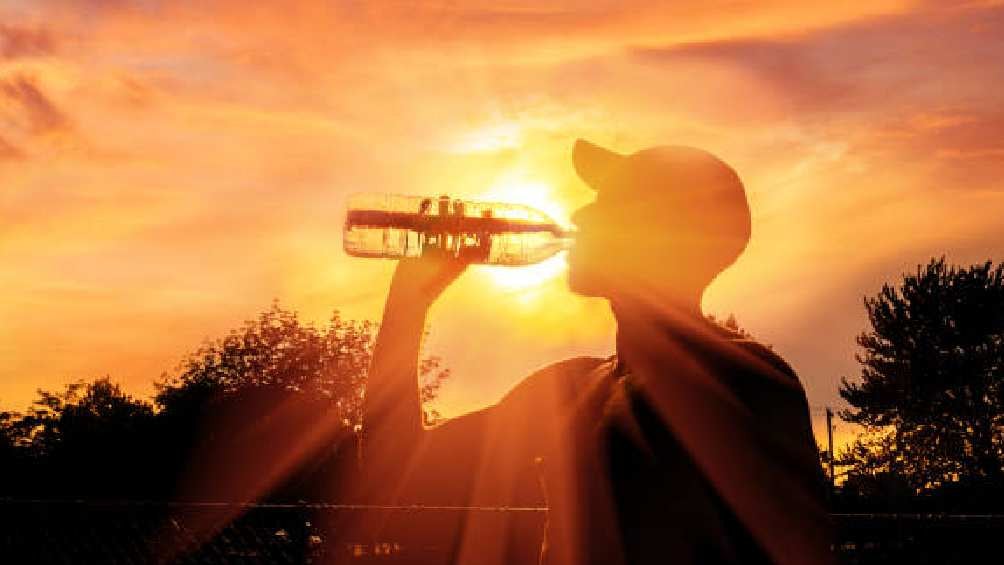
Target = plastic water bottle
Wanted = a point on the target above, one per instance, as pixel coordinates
(393, 226)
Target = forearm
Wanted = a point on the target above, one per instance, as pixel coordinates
(392, 408)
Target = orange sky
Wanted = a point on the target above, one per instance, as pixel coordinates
(168, 168)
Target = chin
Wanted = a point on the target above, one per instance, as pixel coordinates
(583, 284)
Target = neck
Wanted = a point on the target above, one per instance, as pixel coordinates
(636, 314)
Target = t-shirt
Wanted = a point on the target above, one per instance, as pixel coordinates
(591, 439)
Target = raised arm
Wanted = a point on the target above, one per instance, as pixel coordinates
(392, 408)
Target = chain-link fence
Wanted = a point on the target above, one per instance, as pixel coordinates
(86, 532)
(72, 532)
(918, 539)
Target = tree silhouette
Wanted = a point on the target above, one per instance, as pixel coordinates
(931, 389)
(10, 450)
(85, 440)
(271, 409)
(84, 414)
(276, 352)
(238, 410)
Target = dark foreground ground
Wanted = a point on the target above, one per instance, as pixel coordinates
(75, 532)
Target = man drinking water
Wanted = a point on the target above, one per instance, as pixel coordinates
(691, 445)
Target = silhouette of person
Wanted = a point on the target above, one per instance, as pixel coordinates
(691, 445)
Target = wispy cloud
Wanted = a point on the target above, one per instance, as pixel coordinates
(911, 87)
(8, 151)
(18, 41)
(30, 108)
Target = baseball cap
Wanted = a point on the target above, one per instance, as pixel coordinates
(683, 181)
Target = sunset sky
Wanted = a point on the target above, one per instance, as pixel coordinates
(168, 168)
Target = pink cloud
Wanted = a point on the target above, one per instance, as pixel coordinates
(37, 112)
(25, 41)
(904, 89)
(8, 151)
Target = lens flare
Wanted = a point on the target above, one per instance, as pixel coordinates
(517, 189)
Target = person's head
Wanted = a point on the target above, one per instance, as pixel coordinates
(666, 221)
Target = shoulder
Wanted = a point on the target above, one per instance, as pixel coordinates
(760, 354)
(760, 377)
(570, 367)
(542, 389)
(554, 383)
(731, 350)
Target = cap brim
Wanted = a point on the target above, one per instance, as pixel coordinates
(594, 163)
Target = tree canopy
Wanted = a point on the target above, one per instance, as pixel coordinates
(277, 352)
(264, 411)
(931, 389)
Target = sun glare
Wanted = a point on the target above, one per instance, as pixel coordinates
(519, 190)
(490, 138)
(522, 278)
(516, 189)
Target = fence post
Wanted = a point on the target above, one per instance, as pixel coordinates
(829, 447)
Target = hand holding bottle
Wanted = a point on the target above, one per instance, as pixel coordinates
(419, 281)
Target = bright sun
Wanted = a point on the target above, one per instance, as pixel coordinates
(540, 196)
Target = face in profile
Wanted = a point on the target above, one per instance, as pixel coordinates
(609, 247)
(623, 245)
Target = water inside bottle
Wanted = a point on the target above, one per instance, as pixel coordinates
(393, 226)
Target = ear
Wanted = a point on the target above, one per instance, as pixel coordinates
(594, 163)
